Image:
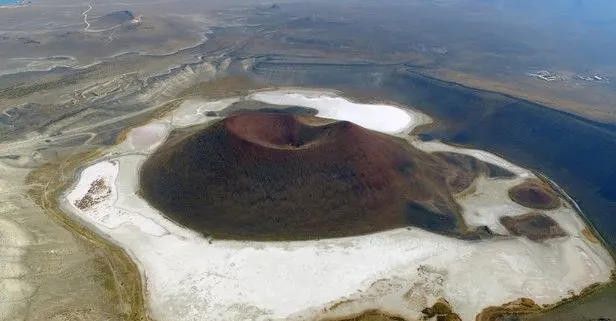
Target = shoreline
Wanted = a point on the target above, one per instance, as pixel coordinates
(138, 260)
(592, 229)
(128, 286)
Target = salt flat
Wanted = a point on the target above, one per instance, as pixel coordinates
(379, 117)
(189, 277)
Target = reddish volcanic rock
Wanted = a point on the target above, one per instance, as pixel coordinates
(289, 138)
(536, 226)
(535, 194)
(281, 176)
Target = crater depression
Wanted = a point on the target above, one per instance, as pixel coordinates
(265, 176)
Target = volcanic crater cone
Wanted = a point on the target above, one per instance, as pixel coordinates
(288, 177)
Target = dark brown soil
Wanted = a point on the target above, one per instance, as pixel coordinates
(536, 226)
(509, 311)
(286, 177)
(370, 315)
(96, 188)
(535, 194)
(467, 168)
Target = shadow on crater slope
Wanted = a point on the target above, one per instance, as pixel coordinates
(265, 176)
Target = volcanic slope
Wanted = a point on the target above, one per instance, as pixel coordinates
(264, 176)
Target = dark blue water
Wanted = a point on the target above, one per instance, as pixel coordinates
(576, 153)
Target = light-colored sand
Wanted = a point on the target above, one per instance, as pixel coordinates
(189, 277)
(193, 111)
(379, 117)
(433, 146)
(14, 241)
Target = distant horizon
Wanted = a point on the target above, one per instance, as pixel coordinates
(308, 160)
